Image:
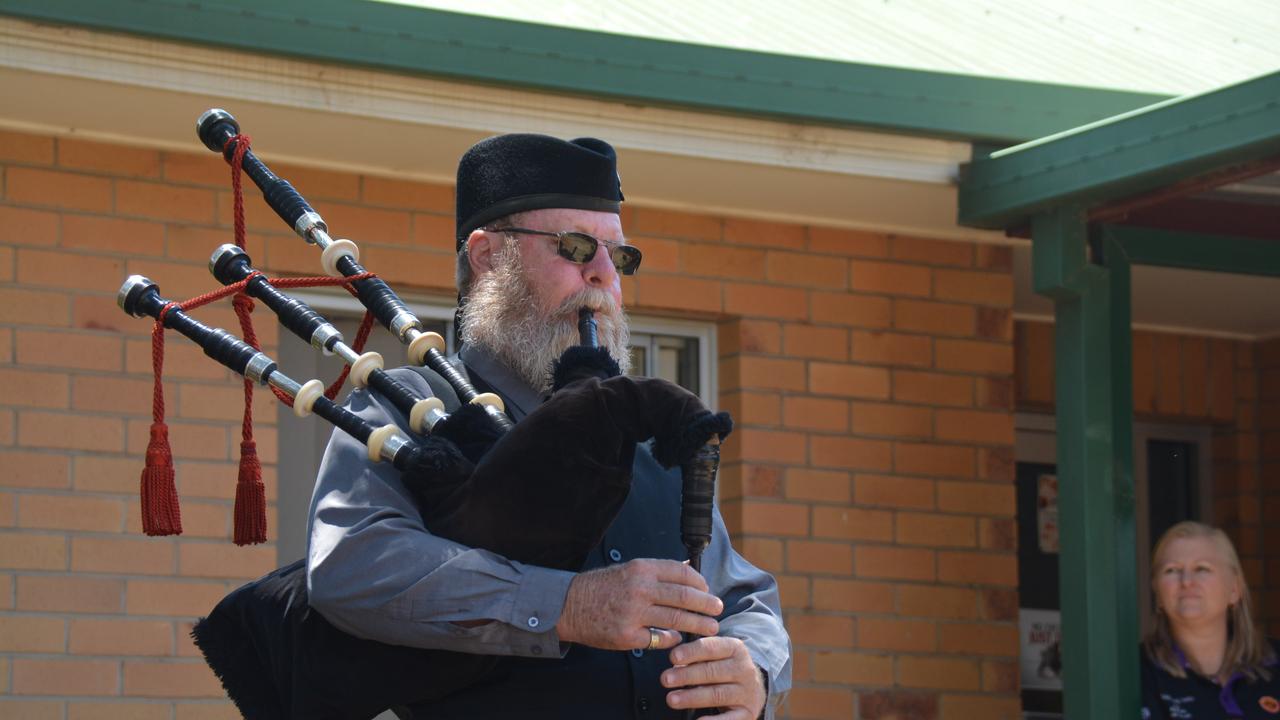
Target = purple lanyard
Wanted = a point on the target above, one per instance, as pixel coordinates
(1226, 698)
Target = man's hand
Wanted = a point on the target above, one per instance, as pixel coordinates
(613, 608)
(716, 672)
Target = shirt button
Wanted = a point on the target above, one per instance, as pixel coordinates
(536, 649)
(615, 555)
(637, 653)
(533, 622)
(642, 704)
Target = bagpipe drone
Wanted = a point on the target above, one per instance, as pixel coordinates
(542, 491)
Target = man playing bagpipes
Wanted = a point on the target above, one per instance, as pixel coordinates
(486, 569)
(596, 643)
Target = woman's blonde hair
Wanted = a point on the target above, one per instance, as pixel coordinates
(1247, 652)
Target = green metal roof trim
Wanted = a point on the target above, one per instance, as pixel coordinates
(478, 49)
(1125, 155)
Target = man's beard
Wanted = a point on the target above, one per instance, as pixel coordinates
(504, 315)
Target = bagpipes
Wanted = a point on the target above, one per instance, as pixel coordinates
(542, 491)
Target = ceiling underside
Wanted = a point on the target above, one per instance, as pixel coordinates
(1168, 299)
(1174, 299)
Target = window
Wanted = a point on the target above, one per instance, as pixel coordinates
(679, 351)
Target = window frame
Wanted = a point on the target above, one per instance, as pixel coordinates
(703, 331)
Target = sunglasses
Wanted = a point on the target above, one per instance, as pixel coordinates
(580, 248)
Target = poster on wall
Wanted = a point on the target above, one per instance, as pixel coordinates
(1037, 497)
(1047, 513)
(1040, 657)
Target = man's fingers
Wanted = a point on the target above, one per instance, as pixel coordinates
(668, 638)
(715, 672)
(643, 639)
(687, 598)
(703, 673)
(731, 714)
(707, 648)
(679, 620)
(724, 695)
(671, 571)
(613, 608)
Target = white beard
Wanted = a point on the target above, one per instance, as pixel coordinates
(505, 315)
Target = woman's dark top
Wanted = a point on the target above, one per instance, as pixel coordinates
(1195, 697)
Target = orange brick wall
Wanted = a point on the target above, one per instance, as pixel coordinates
(1203, 381)
(871, 377)
(872, 469)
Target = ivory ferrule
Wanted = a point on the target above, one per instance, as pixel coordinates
(393, 445)
(385, 442)
(304, 401)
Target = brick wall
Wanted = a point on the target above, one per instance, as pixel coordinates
(872, 472)
(94, 616)
(1203, 381)
(871, 377)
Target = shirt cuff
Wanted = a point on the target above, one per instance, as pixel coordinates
(772, 700)
(537, 607)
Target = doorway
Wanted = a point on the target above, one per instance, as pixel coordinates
(1172, 482)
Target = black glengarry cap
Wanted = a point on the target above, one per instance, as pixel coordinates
(508, 174)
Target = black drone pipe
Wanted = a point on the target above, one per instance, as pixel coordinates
(230, 265)
(141, 298)
(219, 131)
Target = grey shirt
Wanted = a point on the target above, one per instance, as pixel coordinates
(374, 570)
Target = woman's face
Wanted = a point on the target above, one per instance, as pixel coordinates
(1194, 583)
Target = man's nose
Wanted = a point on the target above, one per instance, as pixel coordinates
(599, 270)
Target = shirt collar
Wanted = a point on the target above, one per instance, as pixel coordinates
(515, 392)
(1227, 697)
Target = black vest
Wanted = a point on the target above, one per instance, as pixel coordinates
(591, 683)
(587, 683)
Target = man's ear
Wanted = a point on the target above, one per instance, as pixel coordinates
(481, 248)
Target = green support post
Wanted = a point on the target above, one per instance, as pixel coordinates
(1095, 501)
(1129, 587)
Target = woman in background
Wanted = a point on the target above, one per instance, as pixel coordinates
(1205, 659)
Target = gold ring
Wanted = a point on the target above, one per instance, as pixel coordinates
(655, 638)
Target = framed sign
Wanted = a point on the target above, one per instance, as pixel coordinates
(1040, 657)
(1039, 616)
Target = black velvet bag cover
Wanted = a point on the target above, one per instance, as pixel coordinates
(279, 658)
(543, 494)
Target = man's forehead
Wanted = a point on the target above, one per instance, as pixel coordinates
(591, 221)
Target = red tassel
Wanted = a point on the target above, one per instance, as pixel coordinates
(160, 512)
(251, 498)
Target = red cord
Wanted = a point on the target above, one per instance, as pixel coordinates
(161, 514)
(160, 511)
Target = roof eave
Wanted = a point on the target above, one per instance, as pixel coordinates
(1123, 156)
(487, 50)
